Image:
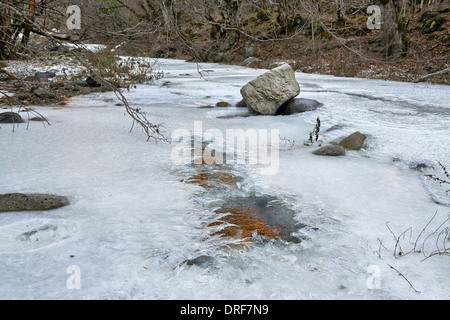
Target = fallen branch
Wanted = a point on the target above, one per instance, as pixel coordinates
(26, 109)
(421, 79)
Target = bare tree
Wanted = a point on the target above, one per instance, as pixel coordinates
(5, 31)
(392, 37)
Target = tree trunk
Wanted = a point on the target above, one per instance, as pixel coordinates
(27, 29)
(392, 38)
(5, 32)
(166, 9)
(339, 12)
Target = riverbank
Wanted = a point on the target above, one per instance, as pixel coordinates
(344, 50)
(353, 52)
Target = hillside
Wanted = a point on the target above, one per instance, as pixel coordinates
(350, 49)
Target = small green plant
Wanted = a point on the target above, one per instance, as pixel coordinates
(314, 135)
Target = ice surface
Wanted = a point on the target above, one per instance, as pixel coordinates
(133, 222)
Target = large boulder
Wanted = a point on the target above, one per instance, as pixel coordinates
(31, 202)
(267, 93)
(433, 21)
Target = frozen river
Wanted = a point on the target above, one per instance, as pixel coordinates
(138, 228)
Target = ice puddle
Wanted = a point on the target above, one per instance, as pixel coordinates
(140, 227)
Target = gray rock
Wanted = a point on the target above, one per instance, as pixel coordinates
(22, 96)
(250, 50)
(354, 142)
(45, 94)
(38, 119)
(45, 74)
(31, 202)
(434, 21)
(267, 93)
(81, 83)
(277, 64)
(57, 84)
(10, 117)
(31, 78)
(86, 90)
(241, 104)
(251, 60)
(299, 106)
(56, 48)
(331, 150)
(224, 46)
(93, 82)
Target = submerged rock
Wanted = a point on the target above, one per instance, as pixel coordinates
(222, 104)
(10, 117)
(31, 202)
(331, 150)
(38, 119)
(242, 216)
(201, 261)
(267, 93)
(298, 106)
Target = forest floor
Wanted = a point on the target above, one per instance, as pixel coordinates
(349, 50)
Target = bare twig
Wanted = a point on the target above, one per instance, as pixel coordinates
(401, 274)
(397, 240)
(441, 235)
(25, 109)
(445, 232)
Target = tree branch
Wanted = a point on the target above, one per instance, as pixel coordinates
(432, 75)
